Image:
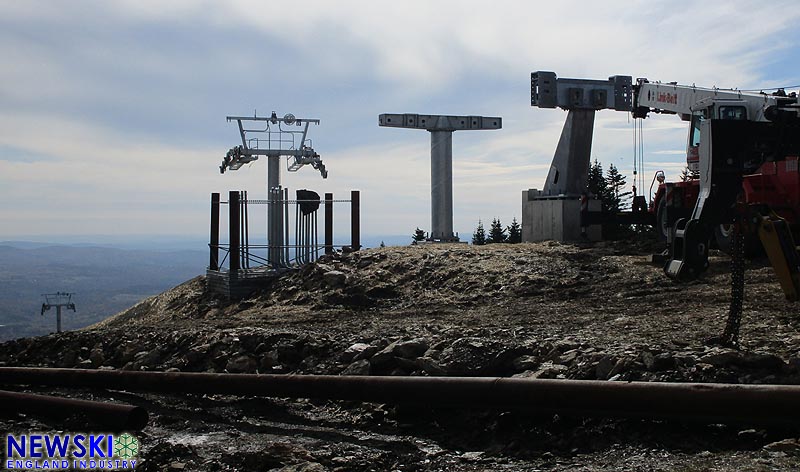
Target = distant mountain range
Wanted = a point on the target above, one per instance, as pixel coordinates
(105, 281)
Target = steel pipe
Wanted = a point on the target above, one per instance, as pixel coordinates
(115, 416)
(706, 402)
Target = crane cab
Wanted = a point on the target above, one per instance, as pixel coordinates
(717, 110)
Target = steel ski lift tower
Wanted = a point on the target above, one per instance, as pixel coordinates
(554, 211)
(58, 300)
(274, 138)
(441, 128)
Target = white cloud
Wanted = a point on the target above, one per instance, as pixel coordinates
(125, 100)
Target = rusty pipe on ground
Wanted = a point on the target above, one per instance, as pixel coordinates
(688, 401)
(115, 416)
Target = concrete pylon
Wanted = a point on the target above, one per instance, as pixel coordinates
(441, 128)
(569, 171)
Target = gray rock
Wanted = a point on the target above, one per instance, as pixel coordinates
(722, 358)
(129, 350)
(361, 367)
(68, 359)
(658, 362)
(763, 361)
(548, 370)
(409, 349)
(147, 358)
(685, 360)
(568, 357)
(528, 374)
(382, 359)
(523, 363)
(788, 446)
(198, 353)
(433, 353)
(352, 351)
(366, 353)
(241, 364)
(619, 368)
(430, 366)
(471, 356)
(96, 356)
(303, 467)
(409, 365)
(604, 367)
(334, 278)
(472, 456)
(648, 359)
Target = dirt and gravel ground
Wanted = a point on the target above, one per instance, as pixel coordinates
(549, 310)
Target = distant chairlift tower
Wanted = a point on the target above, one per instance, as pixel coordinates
(58, 300)
(272, 137)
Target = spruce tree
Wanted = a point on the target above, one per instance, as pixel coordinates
(514, 232)
(419, 235)
(596, 185)
(479, 236)
(615, 182)
(497, 234)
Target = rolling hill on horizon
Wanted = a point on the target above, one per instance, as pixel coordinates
(105, 280)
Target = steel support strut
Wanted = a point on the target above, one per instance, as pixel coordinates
(704, 402)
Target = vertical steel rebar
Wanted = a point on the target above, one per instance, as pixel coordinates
(316, 236)
(297, 231)
(355, 220)
(233, 232)
(286, 255)
(245, 206)
(328, 223)
(213, 244)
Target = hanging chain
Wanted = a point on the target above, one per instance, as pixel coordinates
(730, 337)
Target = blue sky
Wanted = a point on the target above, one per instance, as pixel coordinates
(112, 114)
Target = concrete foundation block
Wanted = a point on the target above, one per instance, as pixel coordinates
(554, 218)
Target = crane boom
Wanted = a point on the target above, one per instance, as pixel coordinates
(686, 100)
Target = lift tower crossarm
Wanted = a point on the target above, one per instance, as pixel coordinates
(439, 122)
(549, 91)
(569, 171)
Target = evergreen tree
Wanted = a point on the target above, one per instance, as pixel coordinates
(479, 236)
(596, 185)
(419, 235)
(615, 182)
(609, 188)
(497, 234)
(514, 232)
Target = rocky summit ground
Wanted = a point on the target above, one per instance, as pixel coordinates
(548, 310)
